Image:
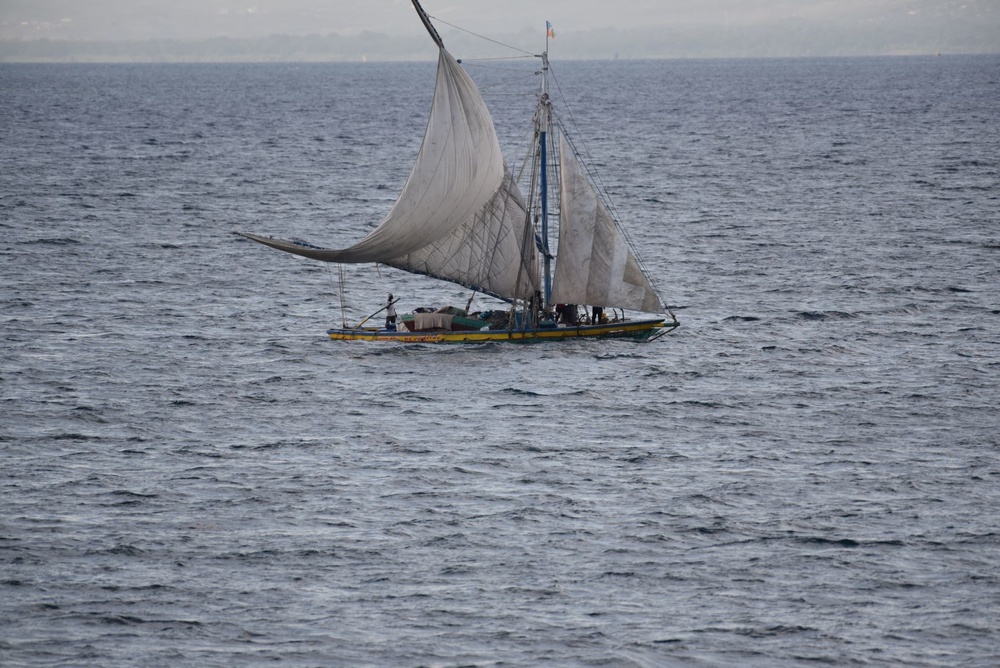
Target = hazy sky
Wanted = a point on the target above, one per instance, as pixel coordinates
(590, 28)
(144, 19)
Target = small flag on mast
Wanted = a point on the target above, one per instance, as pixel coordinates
(549, 31)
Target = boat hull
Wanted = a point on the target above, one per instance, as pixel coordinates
(639, 330)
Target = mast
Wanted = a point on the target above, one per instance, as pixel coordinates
(544, 123)
(426, 20)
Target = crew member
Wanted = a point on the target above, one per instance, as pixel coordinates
(390, 315)
(567, 314)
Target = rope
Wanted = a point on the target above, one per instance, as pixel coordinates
(506, 46)
(477, 60)
(343, 302)
(602, 191)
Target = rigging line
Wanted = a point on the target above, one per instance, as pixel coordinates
(576, 130)
(343, 301)
(603, 190)
(472, 241)
(465, 60)
(505, 88)
(329, 273)
(505, 94)
(512, 87)
(527, 237)
(605, 196)
(509, 186)
(506, 46)
(520, 70)
(526, 139)
(515, 79)
(595, 176)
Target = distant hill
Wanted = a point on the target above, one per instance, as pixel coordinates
(877, 27)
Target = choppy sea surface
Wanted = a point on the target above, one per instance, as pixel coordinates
(806, 472)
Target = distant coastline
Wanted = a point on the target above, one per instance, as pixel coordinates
(760, 42)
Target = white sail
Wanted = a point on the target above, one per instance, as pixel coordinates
(460, 216)
(493, 252)
(595, 264)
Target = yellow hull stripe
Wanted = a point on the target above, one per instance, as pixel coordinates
(637, 329)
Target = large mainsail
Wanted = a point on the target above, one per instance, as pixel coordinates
(460, 216)
(595, 264)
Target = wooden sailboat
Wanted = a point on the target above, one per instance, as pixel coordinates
(461, 217)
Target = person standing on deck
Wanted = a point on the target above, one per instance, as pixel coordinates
(390, 315)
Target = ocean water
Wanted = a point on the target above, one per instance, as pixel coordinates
(806, 472)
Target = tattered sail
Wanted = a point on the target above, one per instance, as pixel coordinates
(595, 264)
(460, 216)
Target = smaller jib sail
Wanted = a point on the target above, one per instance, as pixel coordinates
(595, 264)
(460, 216)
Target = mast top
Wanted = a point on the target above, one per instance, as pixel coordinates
(426, 20)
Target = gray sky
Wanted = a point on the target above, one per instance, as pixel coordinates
(926, 25)
(143, 19)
